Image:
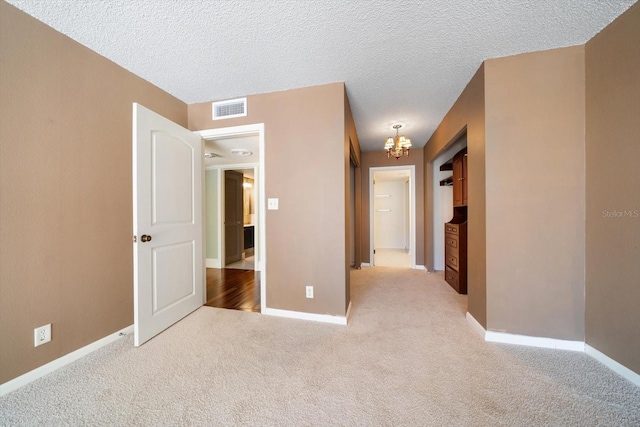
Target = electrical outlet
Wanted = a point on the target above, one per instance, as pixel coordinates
(309, 291)
(42, 335)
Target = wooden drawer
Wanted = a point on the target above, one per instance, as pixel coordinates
(451, 260)
(455, 252)
(451, 242)
(452, 228)
(452, 278)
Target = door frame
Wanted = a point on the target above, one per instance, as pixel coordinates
(259, 173)
(221, 214)
(412, 209)
(222, 205)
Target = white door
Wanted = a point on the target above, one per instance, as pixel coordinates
(168, 261)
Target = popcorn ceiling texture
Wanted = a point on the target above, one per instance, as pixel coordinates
(402, 61)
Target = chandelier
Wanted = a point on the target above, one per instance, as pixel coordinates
(398, 146)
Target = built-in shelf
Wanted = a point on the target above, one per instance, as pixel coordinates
(446, 182)
(447, 166)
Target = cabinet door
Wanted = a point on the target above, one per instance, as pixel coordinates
(457, 181)
(464, 179)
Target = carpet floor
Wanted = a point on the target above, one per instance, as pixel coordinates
(407, 357)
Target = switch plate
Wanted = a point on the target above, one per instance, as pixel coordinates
(42, 335)
(272, 204)
(309, 291)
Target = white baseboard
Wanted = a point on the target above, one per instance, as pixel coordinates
(348, 313)
(502, 337)
(421, 267)
(365, 264)
(213, 263)
(326, 318)
(616, 367)
(475, 324)
(43, 370)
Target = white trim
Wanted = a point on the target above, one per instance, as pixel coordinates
(579, 346)
(365, 265)
(420, 267)
(616, 367)
(58, 363)
(412, 209)
(221, 231)
(261, 220)
(229, 166)
(502, 337)
(348, 312)
(475, 324)
(213, 263)
(326, 318)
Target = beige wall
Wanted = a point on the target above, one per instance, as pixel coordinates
(613, 184)
(535, 193)
(467, 112)
(377, 159)
(306, 243)
(65, 179)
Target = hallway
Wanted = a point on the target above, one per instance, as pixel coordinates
(233, 289)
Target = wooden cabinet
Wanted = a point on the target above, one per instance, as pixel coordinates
(249, 236)
(464, 179)
(460, 178)
(455, 253)
(455, 231)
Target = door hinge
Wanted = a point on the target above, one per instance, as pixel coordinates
(135, 239)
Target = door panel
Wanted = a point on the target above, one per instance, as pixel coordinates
(167, 207)
(171, 286)
(172, 196)
(233, 218)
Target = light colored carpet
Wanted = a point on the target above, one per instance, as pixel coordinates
(407, 357)
(392, 258)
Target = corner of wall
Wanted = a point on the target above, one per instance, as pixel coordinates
(612, 61)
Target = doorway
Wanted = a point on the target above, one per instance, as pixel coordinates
(392, 216)
(233, 217)
(443, 197)
(235, 283)
(235, 234)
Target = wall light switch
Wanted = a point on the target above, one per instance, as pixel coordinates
(272, 204)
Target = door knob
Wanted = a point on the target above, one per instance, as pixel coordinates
(145, 238)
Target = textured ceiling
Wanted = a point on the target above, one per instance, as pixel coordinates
(402, 60)
(391, 175)
(222, 149)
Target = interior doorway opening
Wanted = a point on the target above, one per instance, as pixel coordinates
(234, 218)
(392, 211)
(443, 200)
(239, 219)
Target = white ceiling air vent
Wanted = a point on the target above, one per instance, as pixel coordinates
(230, 108)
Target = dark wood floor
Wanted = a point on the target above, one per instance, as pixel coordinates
(234, 289)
